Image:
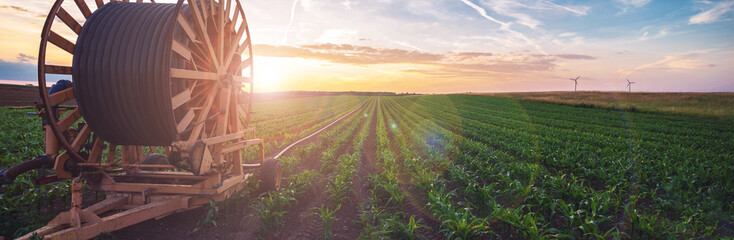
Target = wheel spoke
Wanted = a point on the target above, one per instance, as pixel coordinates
(201, 27)
(224, 120)
(100, 3)
(246, 63)
(61, 42)
(84, 8)
(57, 69)
(241, 79)
(203, 115)
(191, 74)
(69, 20)
(226, 11)
(96, 154)
(235, 48)
(60, 97)
(235, 17)
(182, 50)
(221, 31)
(81, 138)
(186, 27)
(185, 121)
(181, 98)
(69, 119)
(111, 149)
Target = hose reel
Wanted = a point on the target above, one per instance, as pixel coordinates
(149, 74)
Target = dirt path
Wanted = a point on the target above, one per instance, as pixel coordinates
(415, 205)
(298, 224)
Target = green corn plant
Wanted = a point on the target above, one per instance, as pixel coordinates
(400, 230)
(327, 219)
(271, 209)
(210, 219)
(339, 187)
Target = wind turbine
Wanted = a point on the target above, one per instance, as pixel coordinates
(575, 82)
(629, 84)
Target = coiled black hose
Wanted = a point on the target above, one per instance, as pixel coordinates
(121, 72)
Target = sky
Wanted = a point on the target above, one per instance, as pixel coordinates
(450, 46)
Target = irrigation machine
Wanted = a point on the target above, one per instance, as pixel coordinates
(156, 113)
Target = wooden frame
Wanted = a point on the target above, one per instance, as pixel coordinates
(217, 117)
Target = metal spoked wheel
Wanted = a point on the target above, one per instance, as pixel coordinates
(191, 82)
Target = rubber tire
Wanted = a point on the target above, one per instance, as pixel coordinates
(154, 159)
(270, 175)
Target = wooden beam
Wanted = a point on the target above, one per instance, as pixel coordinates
(69, 20)
(83, 7)
(182, 50)
(186, 27)
(119, 221)
(100, 3)
(96, 153)
(81, 137)
(61, 42)
(61, 97)
(235, 47)
(225, 138)
(57, 69)
(241, 79)
(191, 74)
(201, 26)
(185, 121)
(70, 119)
(240, 145)
(181, 98)
(111, 149)
(111, 203)
(202, 116)
(246, 63)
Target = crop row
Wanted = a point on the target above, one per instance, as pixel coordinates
(506, 180)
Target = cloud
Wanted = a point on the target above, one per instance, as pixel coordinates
(347, 54)
(713, 14)
(629, 4)
(405, 44)
(18, 71)
(22, 10)
(26, 58)
(646, 35)
(634, 3)
(481, 11)
(290, 22)
(451, 64)
(581, 11)
(503, 25)
(575, 56)
(16, 9)
(676, 62)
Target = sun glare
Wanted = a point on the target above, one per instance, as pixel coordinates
(270, 73)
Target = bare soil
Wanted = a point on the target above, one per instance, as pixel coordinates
(17, 95)
(298, 223)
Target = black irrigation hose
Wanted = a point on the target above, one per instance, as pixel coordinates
(319, 131)
(121, 67)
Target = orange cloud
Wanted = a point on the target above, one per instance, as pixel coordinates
(455, 65)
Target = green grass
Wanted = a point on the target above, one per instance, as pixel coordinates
(709, 105)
